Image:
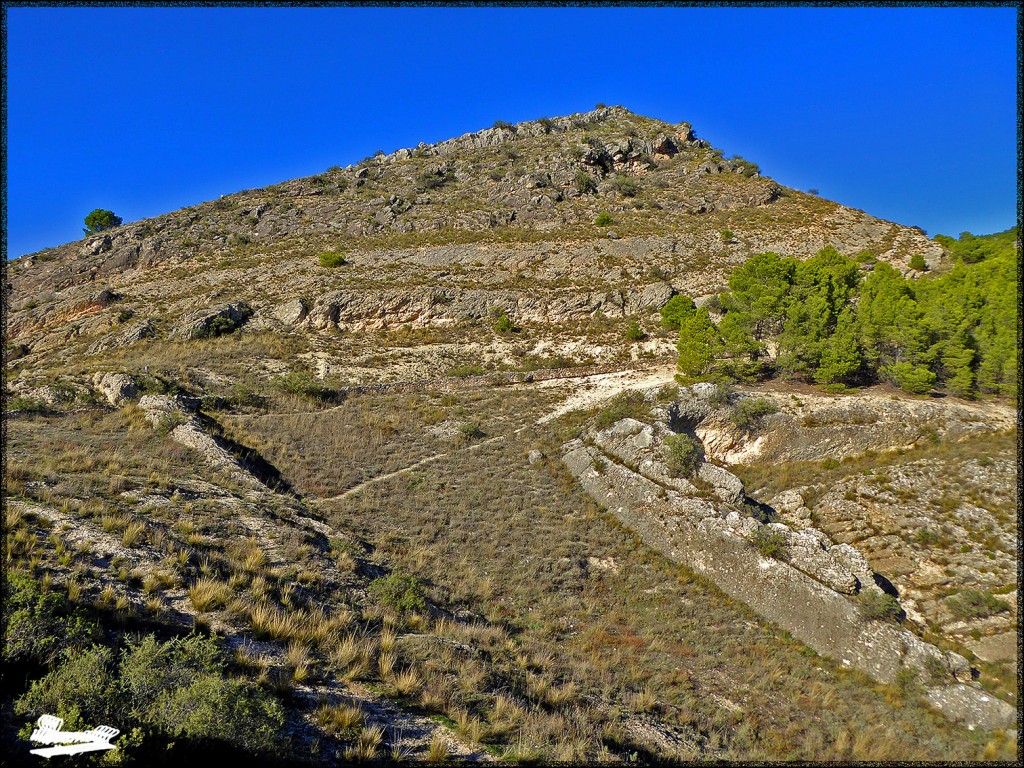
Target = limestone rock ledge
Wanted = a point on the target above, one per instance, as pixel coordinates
(710, 530)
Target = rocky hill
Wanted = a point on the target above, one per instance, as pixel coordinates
(404, 440)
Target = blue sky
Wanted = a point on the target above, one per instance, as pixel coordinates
(907, 113)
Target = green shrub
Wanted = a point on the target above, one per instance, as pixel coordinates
(468, 432)
(684, 455)
(433, 179)
(585, 183)
(745, 167)
(40, 625)
(727, 235)
(677, 309)
(721, 396)
(332, 259)
(604, 219)
(25, 405)
(634, 332)
(914, 379)
(502, 323)
(178, 688)
(399, 593)
(626, 186)
(169, 421)
(623, 405)
(303, 384)
(770, 542)
(749, 413)
(918, 263)
(975, 604)
(878, 606)
(99, 220)
(217, 326)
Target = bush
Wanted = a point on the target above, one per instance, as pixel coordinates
(770, 542)
(634, 332)
(169, 421)
(398, 592)
(462, 371)
(604, 219)
(623, 405)
(727, 235)
(721, 395)
(178, 688)
(585, 183)
(918, 263)
(975, 604)
(434, 179)
(684, 455)
(302, 384)
(40, 625)
(331, 259)
(99, 220)
(913, 379)
(25, 405)
(745, 167)
(626, 186)
(503, 323)
(468, 432)
(878, 606)
(677, 309)
(748, 414)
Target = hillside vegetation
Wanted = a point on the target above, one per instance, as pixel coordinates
(825, 319)
(286, 477)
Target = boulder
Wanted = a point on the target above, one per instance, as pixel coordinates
(655, 296)
(726, 485)
(292, 312)
(96, 245)
(212, 321)
(117, 388)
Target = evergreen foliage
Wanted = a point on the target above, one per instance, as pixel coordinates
(677, 309)
(824, 320)
(99, 220)
(176, 689)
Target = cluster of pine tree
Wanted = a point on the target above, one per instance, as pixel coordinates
(848, 322)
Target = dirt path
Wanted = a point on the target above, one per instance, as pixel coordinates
(410, 468)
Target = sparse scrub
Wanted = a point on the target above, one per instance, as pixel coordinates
(749, 413)
(685, 454)
(879, 606)
(770, 543)
(973, 604)
(398, 593)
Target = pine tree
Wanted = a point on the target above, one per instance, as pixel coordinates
(698, 345)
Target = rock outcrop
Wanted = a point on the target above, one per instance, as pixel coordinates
(804, 586)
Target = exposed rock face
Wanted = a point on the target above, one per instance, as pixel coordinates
(117, 388)
(213, 321)
(165, 412)
(963, 703)
(134, 333)
(808, 593)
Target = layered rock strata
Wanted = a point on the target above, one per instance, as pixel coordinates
(705, 524)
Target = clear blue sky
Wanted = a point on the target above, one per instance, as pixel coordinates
(908, 113)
